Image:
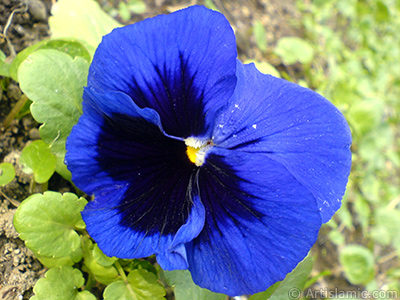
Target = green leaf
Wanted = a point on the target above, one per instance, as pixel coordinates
(264, 67)
(2, 56)
(140, 285)
(21, 56)
(103, 274)
(387, 227)
(185, 288)
(294, 49)
(336, 237)
(37, 158)
(4, 67)
(101, 258)
(25, 110)
(7, 173)
(47, 222)
(365, 115)
(71, 47)
(140, 264)
(85, 295)
(54, 82)
(260, 36)
(291, 286)
(86, 22)
(358, 264)
(124, 12)
(390, 219)
(380, 234)
(382, 12)
(295, 281)
(210, 4)
(267, 293)
(61, 284)
(70, 260)
(137, 6)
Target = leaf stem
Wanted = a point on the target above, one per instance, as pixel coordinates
(121, 271)
(123, 276)
(17, 107)
(45, 186)
(90, 282)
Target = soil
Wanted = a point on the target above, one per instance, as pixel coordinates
(19, 270)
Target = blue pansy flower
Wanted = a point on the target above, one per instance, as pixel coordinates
(201, 160)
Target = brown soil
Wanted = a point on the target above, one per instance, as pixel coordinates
(19, 270)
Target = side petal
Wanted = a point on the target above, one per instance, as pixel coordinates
(141, 180)
(260, 223)
(293, 126)
(182, 65)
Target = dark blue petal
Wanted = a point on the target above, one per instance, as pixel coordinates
(293, 126)
(142, 181)
(182, 65)
(260, 223)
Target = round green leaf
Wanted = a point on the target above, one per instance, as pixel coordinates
(37, 158)
(61, 284)
(264, 67)
(141, 285)
(137, 6)
(71, 47)
(4, 67)
(70, 260)
(382, 12)
(260, 36)
(2, 56)
(291, 286)
(268, 293)
(103, 274)
(390, 219)
(140, 264)
(185, 288)
(54, 82)
(380, 234)
(365, 115)
(7, 173)
(294, 49)
(86, 22)
(101, 258)
(294, 280)
(46, 223)
(358, 264)
(336, 237)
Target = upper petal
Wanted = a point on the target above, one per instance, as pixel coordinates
(260, 223)
(182, 65)
(141, 178)
(292, 125)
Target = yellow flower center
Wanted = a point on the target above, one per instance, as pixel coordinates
(192, 153)
(197, 149)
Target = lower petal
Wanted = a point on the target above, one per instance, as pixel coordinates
(260, 223)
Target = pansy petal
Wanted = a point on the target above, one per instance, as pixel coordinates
(82, 144)
(140, 177)
(186, 233)
(182, 65)
(260, 223)
(292, 125)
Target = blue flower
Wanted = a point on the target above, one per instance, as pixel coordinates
(201, 160)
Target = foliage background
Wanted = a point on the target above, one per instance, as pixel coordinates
(347, 50)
